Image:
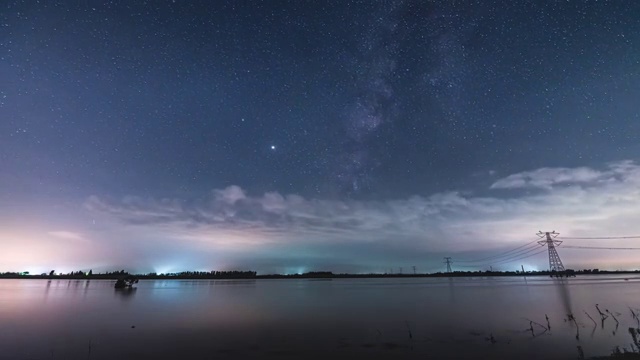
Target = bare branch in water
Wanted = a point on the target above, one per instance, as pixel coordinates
(613, 316)
(548, 324)
(602, 315)
(409, 330)
(537, 323)
(589, 316)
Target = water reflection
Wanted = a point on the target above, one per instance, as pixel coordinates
(565, 298)
(47, 289)
(452, 292)
(86, 288)
(126, 294)
(417, 318)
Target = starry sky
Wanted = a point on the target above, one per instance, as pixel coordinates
(289, 136)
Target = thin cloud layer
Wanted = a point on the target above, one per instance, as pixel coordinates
(66, 235)
(546, 178)
(291, 228)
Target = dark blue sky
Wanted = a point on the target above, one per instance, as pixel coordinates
(362, 103)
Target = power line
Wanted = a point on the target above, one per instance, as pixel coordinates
(600, 238)
(525, 251)
(498, 258)
(496, 255)
(513, 256)
(598, 247)
(521, 256)
(524, 257)
(555, 264)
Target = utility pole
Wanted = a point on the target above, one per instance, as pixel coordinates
(414, 269)
(555, 264)
(447, 260)
(522, 266)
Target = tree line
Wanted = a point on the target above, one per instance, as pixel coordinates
(80, 274)
(236, 274)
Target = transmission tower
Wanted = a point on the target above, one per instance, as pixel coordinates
(555, 264)
(447, 260)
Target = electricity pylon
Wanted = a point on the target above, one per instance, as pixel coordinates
(555, 264)
(447, 260)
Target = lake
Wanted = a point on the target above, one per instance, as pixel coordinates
(400, 318)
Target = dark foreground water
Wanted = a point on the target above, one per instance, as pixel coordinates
(319, 319)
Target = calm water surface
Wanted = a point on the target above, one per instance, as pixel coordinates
(375, 318)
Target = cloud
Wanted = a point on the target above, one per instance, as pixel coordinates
(577, 202)
(230, 195)
(66, 235)
(546, 178)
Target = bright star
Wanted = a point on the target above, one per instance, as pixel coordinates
(273, 147)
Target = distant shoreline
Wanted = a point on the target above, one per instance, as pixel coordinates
(315, 275)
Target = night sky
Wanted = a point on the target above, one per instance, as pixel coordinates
(289, 136)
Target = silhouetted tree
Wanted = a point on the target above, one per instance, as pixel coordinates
(52, 272)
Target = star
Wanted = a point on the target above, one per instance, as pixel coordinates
(273, 147)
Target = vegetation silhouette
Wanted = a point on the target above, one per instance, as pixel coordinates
(126, 281)
(248, 274)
